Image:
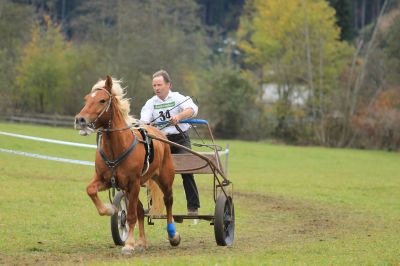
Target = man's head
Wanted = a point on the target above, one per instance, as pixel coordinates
(161, 84)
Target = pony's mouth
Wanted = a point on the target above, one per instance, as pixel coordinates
(83, 126)
(86, 131)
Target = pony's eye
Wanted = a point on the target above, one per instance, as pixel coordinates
(102, 101)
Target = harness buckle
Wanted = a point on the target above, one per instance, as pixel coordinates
(111, 164)
(114, 185)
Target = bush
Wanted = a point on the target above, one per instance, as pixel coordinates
(229, 101)
(378, 126)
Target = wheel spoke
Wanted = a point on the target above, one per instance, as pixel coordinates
(123, 227)
(123, 232)
(227, 218)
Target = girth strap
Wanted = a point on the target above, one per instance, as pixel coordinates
(147, 142)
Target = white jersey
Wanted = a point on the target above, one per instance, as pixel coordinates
(163, 110)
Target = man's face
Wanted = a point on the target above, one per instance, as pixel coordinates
(161, 88)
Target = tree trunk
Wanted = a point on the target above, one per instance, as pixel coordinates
(354, 98)
(321, 96)
(346, 104)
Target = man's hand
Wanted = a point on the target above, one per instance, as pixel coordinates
(174, 119)
(183, 115)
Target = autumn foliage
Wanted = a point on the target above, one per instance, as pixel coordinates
(378, 125)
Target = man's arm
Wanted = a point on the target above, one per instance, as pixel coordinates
(190, 109)
(146, 114)
(187, 113)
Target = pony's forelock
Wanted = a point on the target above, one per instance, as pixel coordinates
(119, 93)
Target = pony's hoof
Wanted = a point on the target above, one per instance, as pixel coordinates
(141, 245)
(127, 250)
(174, 241)
(140, 249)
(110, 209)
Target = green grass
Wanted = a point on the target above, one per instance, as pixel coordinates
(294, 205)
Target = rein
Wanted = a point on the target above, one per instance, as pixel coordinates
(116, 129)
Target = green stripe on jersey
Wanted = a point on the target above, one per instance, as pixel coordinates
(164, 105)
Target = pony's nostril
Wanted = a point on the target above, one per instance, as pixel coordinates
(76, 120)
(82, 121)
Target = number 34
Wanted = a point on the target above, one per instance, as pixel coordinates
(164, 116)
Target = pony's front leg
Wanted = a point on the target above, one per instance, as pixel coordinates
(133, 195)
(95, 186)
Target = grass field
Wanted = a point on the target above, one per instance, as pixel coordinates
(293, 205)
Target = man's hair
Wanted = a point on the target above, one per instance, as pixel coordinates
(163, 74)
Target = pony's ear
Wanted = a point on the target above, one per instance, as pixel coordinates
(108, 84)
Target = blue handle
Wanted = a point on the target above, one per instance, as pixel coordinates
(190, 121)
(194, 121)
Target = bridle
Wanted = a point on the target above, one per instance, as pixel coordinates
(105, 109)
(92, 125)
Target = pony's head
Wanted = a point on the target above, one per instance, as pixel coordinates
(99, 103)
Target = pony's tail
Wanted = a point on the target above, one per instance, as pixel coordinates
(157, 198)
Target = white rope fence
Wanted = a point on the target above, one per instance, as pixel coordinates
(46, 157)
(49, 140)
(60, 142)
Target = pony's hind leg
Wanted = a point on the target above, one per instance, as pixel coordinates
(141, 244)
(95, 186)
(133, 195)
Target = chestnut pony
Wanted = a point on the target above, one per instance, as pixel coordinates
(107, 111)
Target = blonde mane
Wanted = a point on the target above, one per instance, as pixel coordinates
(119, 93)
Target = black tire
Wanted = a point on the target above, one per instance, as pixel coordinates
(119, 225)
(224, 223)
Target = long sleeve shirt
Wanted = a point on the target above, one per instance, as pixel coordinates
(165, 109)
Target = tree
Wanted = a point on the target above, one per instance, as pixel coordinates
(378, 124)
(372, 111)
(172, 39)
(232, 107)
(224, 14)
(391, 47)
(43, 71)
(369, 80)
(13, 36)
(345, 18)
(296, 45)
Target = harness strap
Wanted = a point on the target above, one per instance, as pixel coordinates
(112, 164)
(146, 142)
(116, 162)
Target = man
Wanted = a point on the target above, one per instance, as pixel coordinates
(170, 106)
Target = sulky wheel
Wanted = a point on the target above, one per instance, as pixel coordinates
(224, 223)
(119, 225)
